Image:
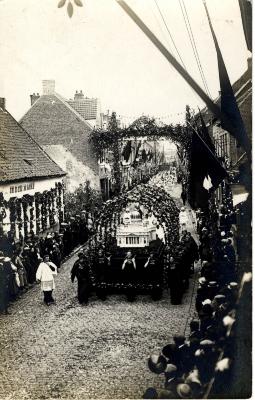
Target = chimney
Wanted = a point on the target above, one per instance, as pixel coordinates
(2, 103)
(78, 95)
(48, 87)
(34, 97)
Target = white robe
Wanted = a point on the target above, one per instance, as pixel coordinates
(46, 276)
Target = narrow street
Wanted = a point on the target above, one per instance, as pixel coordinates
(125, 199)
(95, 351)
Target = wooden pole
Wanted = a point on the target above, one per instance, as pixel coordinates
(214, 108)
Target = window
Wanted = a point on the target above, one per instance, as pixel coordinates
(30, 185)
(21, 188)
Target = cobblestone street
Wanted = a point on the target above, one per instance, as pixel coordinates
(94, 351)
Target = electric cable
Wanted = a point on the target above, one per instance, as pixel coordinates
(193, 44)
(171, 37)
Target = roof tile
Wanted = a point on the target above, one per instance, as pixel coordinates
(20, 156)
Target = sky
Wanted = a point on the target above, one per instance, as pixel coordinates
(101, 51)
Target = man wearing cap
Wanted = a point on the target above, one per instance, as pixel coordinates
(184, 391)
(45, 274)
(80, 271)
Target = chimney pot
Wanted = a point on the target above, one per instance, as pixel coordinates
(34, 97)
(2, 103)
(78, 95)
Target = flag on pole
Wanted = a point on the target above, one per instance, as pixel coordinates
(136, 154)
(205, 134)
(246, 14)
(206, 172)
(229, 105)
(127, 150)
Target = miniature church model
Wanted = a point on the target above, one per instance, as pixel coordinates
(135, 229)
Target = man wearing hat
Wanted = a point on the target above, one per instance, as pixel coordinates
(80, 271)
(184, 391)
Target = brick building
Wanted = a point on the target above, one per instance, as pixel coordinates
(64, 134)
(88, 108)
(31, 183)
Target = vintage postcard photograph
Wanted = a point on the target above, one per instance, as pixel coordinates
(125, 199)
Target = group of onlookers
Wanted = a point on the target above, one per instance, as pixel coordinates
(203, 361)
(19, 261)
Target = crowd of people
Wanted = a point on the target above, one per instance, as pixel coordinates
(201, 363)
(19, 262)
(192, 365)
(165, 178)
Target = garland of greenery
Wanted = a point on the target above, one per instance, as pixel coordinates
(41, 206)
(143, 127)
(157, 201)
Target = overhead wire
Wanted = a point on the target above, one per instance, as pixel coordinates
(193, 44)
(162, 30)
(170, 35)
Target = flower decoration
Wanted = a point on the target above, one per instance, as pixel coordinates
(69, 3)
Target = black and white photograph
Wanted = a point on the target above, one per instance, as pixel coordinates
(125, 199)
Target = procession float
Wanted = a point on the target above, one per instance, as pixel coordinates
(132, 231)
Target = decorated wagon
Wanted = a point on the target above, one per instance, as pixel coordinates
(132, 232)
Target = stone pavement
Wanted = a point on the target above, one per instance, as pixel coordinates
(68, 351)
(98, 351)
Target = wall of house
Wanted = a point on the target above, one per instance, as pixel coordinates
(50, 122)
(28, 187)
(77, 172)
(27, 221)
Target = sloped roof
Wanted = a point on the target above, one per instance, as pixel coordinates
(52, 121)
(20, 156)
(241, 88)
(86, 107)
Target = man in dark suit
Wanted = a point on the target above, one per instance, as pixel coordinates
(80, 271)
